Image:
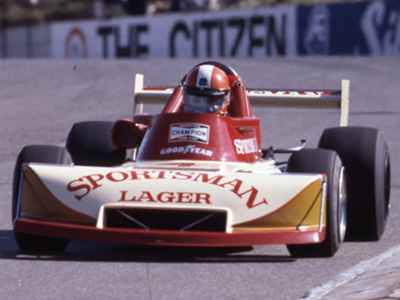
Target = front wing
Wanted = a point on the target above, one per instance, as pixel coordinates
(172, 207)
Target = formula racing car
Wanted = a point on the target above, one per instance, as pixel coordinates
(196, 175)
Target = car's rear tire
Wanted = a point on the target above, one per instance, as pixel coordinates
(39, 154)
(89, 143)
(329, 163)
(365, 155)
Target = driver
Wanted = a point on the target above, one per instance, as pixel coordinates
(206, 90)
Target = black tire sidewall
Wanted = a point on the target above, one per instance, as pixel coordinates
(363, 151)
(382, 200)
(89, 143)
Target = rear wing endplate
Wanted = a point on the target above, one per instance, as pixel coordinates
(322, 99)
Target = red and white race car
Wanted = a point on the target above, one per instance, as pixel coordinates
(182, 178)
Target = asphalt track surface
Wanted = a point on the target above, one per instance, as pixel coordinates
(39, 102)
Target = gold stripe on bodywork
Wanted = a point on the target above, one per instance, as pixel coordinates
(301, 212)
(38, 202)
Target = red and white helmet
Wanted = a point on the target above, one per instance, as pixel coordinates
(206, 90)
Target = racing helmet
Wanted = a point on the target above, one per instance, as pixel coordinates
(206, 90)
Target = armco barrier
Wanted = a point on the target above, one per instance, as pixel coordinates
(358, 28)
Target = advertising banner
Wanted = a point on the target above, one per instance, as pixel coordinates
(359, 28)
(261, 32)
(356, 28)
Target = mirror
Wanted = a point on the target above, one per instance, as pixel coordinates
(126, 134)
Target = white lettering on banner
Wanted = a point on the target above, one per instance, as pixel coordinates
(371, 24)
(316, 39)
(246, 146)
(236, 33)
(305, 94)
(189, 149)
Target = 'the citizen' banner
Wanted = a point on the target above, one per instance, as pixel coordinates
(260, 32)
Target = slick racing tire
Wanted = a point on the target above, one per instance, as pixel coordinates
(324, 162)
(89, 143)
(39, 154)
(365, 155)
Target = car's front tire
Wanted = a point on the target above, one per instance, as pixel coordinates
(31, 243)
(324, 162)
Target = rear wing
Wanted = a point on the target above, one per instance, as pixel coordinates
(322, 99)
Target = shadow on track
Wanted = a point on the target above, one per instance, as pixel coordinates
(105, 252)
